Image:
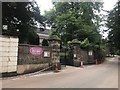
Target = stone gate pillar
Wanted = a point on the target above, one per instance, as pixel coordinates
(90, 56)
(54, 42)
(76, 52)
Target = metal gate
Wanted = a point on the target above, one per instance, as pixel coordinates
(66, 56)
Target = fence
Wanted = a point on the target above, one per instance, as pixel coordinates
(66, 56)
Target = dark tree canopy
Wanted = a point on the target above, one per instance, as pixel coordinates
(114, 26)
(45, 42)
(22, 16)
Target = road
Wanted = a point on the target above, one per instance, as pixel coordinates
(91, 76)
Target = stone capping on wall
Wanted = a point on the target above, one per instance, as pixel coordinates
(54, 37)
(5, 36)
(34, 45)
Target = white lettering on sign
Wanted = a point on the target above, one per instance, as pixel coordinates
(36, 51)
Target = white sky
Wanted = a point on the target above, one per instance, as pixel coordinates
(44, 5)
(47, 5)
(109, 4)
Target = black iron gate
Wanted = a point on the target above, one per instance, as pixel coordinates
(66, 56)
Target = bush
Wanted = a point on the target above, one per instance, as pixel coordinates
(45, 42)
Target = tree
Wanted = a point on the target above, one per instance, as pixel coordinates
(75, 20)
(22, 16)
(45, 42)
(114, 27)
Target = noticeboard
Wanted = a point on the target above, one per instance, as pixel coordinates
(75, 55)
(90, 53)
(46, 53)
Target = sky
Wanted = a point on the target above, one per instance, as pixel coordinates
(109, 4)
(44, 5)
(47, 5)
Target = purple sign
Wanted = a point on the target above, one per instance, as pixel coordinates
(36, 51)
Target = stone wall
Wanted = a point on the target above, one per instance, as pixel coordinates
(80, 55)
(8, 55)
(76, 55)
(30, 62)
(85, 56)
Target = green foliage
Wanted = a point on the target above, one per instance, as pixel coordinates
(23, 16)
(75, 41)
(75, 20)
(118, 52)
(85, 43)
(33, 38)
(114, 26)
(45, 42)
(103, 48)
(54, 37)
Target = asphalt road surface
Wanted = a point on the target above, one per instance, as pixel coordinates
(91, 76)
